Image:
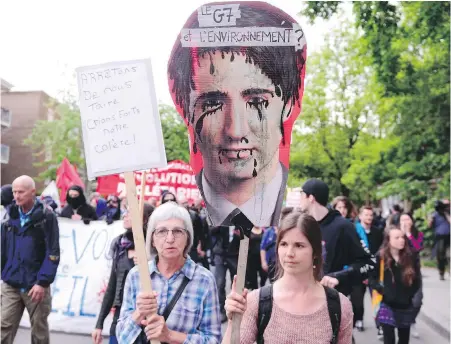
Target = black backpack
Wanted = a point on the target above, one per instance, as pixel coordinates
(265, 309)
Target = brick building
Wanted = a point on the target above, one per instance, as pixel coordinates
(20, 112)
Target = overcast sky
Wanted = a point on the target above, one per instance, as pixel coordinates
(44, 41)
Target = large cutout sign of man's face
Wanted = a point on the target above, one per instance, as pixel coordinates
(236, 76)
(237, 125)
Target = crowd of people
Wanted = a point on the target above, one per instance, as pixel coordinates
(312, 269)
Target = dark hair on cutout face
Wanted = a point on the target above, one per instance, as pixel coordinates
(298, 220)
(282, 65)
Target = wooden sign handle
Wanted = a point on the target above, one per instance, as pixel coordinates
(141, 194)
(240, 280)
(138, 236)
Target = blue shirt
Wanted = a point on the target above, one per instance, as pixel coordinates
(268, 244)
(196, 313)
(24, 218)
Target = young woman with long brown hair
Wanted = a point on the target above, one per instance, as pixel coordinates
(399, 283)
(416, 239)
(345, 206)
(299, 305)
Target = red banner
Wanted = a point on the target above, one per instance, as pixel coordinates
(177, 178)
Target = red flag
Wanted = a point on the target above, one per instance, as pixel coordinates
(107, 185)
(66, 176)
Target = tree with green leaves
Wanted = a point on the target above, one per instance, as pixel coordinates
(409, 46)
(175, 134)
(58, 139)
(344, 125)
(62, 138)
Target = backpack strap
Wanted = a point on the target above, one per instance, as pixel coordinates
(264, 311)
(334, 309)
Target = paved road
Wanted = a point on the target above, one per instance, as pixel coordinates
(433, 322)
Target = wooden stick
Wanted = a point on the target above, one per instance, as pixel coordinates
(240, 280)
(145, 282)
(141, 196)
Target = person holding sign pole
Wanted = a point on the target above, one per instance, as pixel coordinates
(123, 254)
(184, 306)
(296, 308)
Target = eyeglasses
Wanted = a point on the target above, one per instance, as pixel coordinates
(176, 232)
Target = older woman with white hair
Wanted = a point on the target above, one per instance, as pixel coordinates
(184, 306)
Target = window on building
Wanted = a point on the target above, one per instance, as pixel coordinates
(6, 117)
(5, 154)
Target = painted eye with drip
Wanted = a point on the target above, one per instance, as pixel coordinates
(211, 106)
(258, 103)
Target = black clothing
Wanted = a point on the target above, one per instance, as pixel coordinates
(115, 291)
(221, 244)
(443, 243)
(202, 236)
(375, 239)
(395, 293)
(222, 264)
(357, 300)
(224, 257)
(390, 338)
(7, 195)
(78, 205)
(343, 248)
(198, 230)
(254, 263)
(85, 211)
(379, 222)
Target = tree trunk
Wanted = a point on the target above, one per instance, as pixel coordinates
(344, 190)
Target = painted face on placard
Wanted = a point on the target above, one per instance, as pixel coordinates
(236, 76)
(236, 125)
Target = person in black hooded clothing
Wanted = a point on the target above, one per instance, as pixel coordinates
(77, 208)
(123, 253)
(347, 260)
(7, 199)
(7, 195)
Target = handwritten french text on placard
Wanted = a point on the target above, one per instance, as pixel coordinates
(120, 120)
(246, 37)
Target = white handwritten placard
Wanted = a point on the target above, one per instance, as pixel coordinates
(120, 120)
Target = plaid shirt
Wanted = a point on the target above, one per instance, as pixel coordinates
(196, 313)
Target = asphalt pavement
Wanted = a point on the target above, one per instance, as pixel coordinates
(433, 323)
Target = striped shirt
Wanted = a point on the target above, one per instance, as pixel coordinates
(196, 313)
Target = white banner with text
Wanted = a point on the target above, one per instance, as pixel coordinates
(82, 276)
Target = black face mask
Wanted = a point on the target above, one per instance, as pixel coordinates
(75, 202)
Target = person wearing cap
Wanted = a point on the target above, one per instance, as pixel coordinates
(343, 248)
